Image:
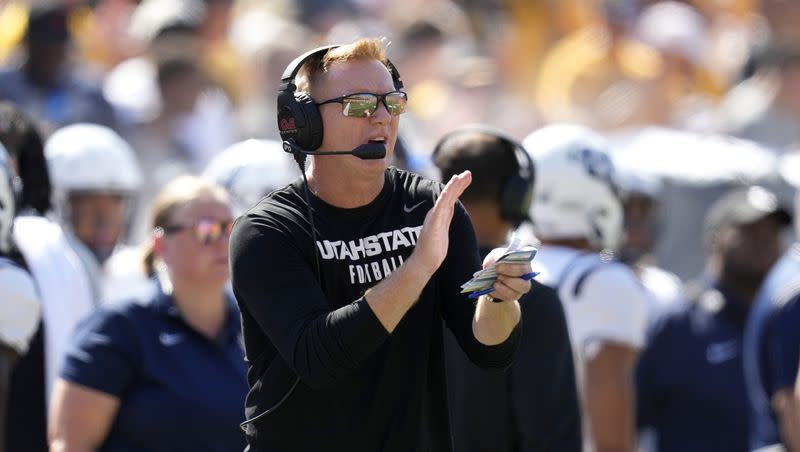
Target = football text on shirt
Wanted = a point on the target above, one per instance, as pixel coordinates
(371, 246)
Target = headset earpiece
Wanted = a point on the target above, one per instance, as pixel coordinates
(517, 192)
(299, 119)
(517, 195)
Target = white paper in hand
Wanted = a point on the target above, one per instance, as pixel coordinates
(482, 280)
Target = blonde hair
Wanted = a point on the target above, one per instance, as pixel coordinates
(363, 49)
(176, 194)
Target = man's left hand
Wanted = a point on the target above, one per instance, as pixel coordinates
(509, 284)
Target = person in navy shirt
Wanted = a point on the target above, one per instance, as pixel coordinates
(690, 382)
(761, 337)
(778, 368)
(168, 373)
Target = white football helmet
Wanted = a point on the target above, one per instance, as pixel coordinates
(251, 169)
(7, 201)
(575, 192)
(92, 158)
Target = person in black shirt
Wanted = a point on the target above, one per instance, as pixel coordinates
(343, 283)
(533, 406)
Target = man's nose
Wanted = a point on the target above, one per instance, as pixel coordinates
(381, 113)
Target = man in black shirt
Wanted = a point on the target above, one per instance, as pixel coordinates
(343, 290)
(533, 405)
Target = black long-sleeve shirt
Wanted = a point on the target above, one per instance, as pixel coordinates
(360, 388)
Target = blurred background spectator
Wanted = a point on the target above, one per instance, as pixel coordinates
(45, 81)
(642, 220)
(768, 374)
(250, 170)
(61, 282)
(20, 310)
(96, 182)
(577, 215)
(165, 372)
(534, 404)
(702, 342)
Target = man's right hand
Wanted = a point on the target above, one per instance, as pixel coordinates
(434, 240)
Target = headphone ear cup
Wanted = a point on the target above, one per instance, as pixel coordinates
(516, 199)
(311, 134)
(517, 195)
(299, 120)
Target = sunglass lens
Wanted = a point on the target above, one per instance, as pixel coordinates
(208, 232)
(359, 105)
(396, 103)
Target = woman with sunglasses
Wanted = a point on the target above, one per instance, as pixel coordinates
(165, 373)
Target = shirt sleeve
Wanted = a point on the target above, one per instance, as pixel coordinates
(458, 310)
(782, 345)
(103, 353)
(283, 296)
(610, 308)
(544, 397)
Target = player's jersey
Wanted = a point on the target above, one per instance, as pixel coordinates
(603, 302)
(120, 278)
(63, 287)
(664, 292)
(124, 276)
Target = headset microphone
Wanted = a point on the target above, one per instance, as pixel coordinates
(368, 151)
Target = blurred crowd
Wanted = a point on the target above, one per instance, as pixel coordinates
(126, 123)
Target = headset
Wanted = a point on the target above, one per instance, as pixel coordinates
(299, 121)
(516, 194)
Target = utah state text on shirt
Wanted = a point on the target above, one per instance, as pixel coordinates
(370, 246)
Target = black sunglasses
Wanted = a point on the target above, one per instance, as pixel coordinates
(206, 232)
(363, 105)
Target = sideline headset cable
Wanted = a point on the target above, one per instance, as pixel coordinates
(301, 162)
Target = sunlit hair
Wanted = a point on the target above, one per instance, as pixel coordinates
(363, 49)
(176, 194)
